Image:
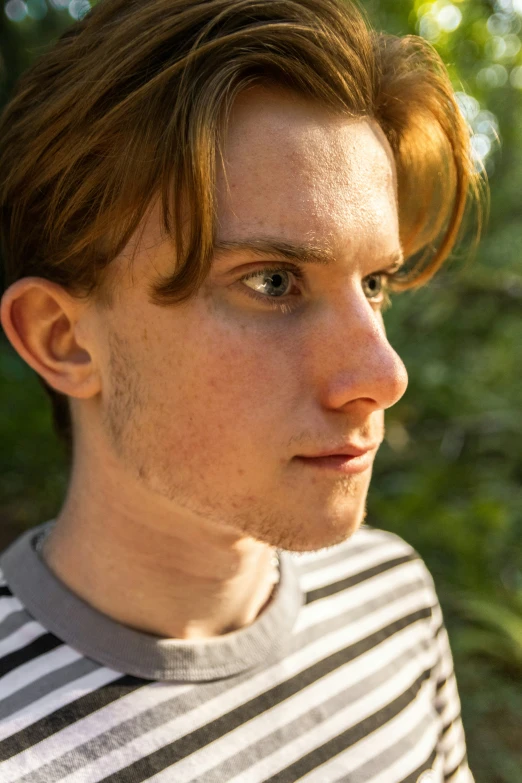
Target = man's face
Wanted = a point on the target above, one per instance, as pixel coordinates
(206, 405)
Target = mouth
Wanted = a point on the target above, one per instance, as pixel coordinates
(347, 464)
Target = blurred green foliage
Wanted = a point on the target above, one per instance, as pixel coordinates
(448, 477)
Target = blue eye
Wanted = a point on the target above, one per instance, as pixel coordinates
(276, 287)
(277, 280)
(273, 287)
(374, 287)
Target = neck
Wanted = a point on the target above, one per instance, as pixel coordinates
(158, 578)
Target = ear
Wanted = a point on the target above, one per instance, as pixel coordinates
(45, 325)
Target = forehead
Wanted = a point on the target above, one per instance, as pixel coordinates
(292, 168)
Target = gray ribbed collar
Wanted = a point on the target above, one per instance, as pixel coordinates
(126, 650)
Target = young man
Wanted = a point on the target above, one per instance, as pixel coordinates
(203, 205)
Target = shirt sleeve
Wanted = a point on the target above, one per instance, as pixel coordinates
(452, 743)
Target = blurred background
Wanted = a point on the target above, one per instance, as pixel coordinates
(448, 478)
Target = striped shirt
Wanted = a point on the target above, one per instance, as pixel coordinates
(346, 675)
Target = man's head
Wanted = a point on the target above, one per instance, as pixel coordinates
(160, 153)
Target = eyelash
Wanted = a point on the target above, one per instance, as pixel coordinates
(285, 307)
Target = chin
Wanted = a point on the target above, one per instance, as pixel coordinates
(314, 537)
(324, 540)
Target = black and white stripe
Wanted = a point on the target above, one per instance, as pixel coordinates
(365, 693)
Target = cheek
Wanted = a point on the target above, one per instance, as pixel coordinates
(241, 379)
(221, 393)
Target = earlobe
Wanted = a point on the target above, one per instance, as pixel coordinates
(41, 321)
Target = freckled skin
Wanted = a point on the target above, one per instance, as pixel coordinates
(185, 459)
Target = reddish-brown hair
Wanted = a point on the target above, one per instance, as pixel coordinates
(130, 104)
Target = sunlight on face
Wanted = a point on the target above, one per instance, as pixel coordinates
(283, 352)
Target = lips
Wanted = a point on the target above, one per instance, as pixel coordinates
(347, 464)
(348, 451)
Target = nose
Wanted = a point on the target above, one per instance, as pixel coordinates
(354, 360)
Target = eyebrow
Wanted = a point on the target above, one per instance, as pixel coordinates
(300, 253)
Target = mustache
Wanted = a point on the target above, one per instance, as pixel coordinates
(367, 433)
